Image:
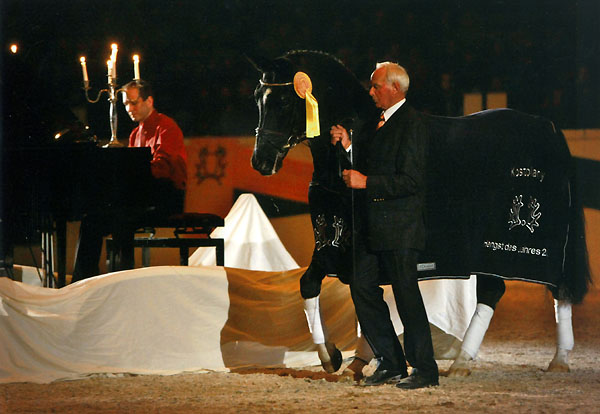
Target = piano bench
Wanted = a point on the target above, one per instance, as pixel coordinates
(196, 228)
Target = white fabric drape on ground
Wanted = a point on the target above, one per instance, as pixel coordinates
(170, 319)
(162, 320)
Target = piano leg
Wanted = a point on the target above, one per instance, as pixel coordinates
(123, 240)
(48, 259)
(7, 240)
(61, 252)
(89, 247)
(6, 260)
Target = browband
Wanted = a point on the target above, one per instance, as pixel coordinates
(275, 84)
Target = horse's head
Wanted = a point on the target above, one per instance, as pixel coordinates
(281, 111)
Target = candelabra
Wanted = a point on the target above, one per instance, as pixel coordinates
(113, 93)
(111, 90)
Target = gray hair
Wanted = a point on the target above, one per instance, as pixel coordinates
(395, 74)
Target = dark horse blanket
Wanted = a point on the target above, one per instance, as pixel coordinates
(499, 197)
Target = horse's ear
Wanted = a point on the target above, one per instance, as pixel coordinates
(260, 63)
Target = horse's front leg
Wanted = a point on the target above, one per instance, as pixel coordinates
(489, 293)
(564, 336)
(310, 289)
(330, 356)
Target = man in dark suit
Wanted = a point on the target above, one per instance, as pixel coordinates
(388, 173)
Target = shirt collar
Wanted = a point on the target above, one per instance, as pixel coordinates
(151, 121)
(390, 111)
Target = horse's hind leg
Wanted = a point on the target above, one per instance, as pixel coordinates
(564, 336)
(472, 341)
(489, 292)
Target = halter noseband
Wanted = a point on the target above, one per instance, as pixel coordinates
(293, 139)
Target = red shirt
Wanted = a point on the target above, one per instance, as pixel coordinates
(164, 138)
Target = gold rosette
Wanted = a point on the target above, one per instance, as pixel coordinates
(303, 87)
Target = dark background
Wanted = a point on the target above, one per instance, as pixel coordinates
(544, 54)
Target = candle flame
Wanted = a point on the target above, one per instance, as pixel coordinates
(136, 58)
(115, 49)
(14, 48)
(82, 59)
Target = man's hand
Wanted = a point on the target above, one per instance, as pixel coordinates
(354, 179)
(339, 134)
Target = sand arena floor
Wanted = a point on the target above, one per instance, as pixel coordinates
(509, 376)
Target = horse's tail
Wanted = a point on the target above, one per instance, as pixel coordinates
(576, 270)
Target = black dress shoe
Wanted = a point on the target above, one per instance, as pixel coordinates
(417, 380)
(384, 376)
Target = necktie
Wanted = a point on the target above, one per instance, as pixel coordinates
(381, 121)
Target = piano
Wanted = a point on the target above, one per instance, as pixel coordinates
(47, 179)
(48, 186)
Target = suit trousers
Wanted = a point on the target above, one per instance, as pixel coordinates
(399, 267)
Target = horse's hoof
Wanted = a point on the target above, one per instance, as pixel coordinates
(458, 372)
(558, 366)
(351, 375)
(460, 366)
(357, 366)
(560, 362)
(335, 359)
(355, 369)
(328, 367)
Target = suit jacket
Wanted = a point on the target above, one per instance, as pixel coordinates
(393, 159)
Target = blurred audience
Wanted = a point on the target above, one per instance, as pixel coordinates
(538, 59)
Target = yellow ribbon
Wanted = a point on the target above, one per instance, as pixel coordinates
(312, 116)
(303, 87)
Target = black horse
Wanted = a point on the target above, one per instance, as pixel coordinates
(501, 201)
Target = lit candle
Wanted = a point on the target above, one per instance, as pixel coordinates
(136, 67)
(109, 64)
(113, 57)
(84, 68)
(115, 49)
(14, 48)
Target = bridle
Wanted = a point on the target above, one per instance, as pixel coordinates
(293, 139)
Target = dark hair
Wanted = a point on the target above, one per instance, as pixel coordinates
(143, 87)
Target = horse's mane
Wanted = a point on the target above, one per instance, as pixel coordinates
(325, 57)
(333, 79)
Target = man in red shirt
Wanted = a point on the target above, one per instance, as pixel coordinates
(158, 132)
(169, 170)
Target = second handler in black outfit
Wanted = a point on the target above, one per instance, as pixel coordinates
(388, 171)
